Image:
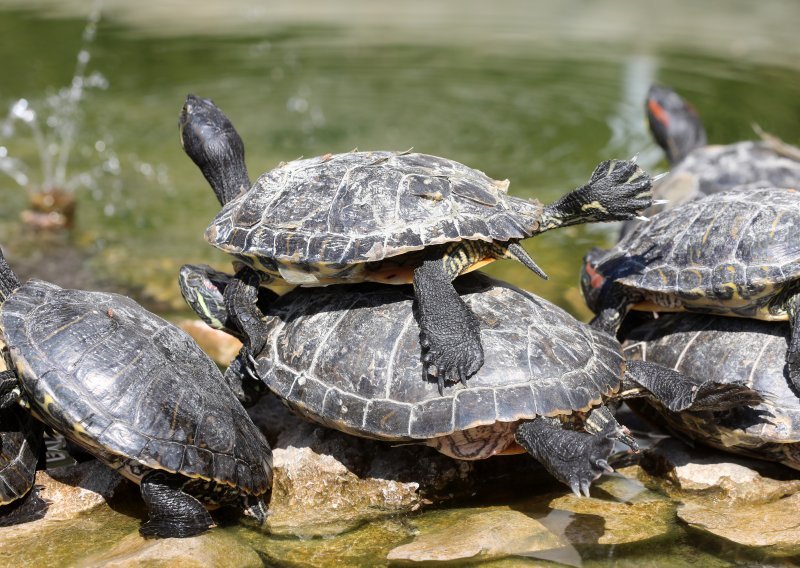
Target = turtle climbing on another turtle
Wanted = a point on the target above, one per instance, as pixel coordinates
(698, 169)
(542, 389)
(390, 217)
(734, 253)
(725, 350)
(137, 393)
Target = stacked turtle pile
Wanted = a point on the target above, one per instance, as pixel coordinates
(728, 246)
(473, 370)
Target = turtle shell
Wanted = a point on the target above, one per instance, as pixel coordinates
(362, 207)
(350, 359)
(20, 441)
(727, 350)
(728, 253)
(116, 378)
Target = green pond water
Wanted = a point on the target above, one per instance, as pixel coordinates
(535, 92)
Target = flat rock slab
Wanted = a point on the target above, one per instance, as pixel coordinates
(478, 534)
(210, 550)
(771, 524)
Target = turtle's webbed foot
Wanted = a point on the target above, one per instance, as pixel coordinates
(712, 396)
(452, 357)
(574, 458)
(617, 190)
(243, 378)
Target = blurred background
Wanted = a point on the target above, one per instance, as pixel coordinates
(537, 92)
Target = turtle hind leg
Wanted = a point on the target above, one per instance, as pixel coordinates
(678, 392)
(449, 331)
(618, 190)
(172, 513)
(574, 458)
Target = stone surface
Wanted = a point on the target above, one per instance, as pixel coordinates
(477, 534)
(220, 346)
(210, 550)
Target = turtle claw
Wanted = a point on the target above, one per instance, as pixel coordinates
(603, 464)
(585, 487)
(575, 488)
(441, 385)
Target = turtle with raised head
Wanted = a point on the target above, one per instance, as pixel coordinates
(734, 253)
(542, 389)
(698, 169)
(726, 350)
(383, 217)
(137, 393)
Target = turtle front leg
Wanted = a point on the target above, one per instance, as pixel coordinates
(618, 190)
(241, 299)
(172, 512)
(793, 352)
(678, 392)
(574, 458)
(449, 331)
(612, 309)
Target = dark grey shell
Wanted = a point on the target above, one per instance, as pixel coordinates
(20, 441)
(107, 373)
(717, 168)
(350, 358)
(359, 207)
(727, 350)
(729, 252)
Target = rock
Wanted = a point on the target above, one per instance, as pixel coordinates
(480, 534)
(211, 549)
(768, 524)
(220, 346)
(620, 510)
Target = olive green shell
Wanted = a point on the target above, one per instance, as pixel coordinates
(121, 381)
(350, 359)
(726, 350)
(20, 442)
(344, 209)
(730, 253)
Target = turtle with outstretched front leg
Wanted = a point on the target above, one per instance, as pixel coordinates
(389, 217)
(137, 393)
(21, 445)
(542, 390)
(735, 253)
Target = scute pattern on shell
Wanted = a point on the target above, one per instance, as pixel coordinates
(366, 206)
(364, 375)
(728, 350)
(108, 371)
(740, 243)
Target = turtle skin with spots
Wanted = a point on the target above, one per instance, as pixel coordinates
(389, 217)
(733, 351)
(139, 394)
(698, 169)
(735, 253)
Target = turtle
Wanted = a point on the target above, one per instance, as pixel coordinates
(543, 389)
(698, 169)
(734, 253)
(21, 443)
(722, 349)
(137, 393)
(381, 216)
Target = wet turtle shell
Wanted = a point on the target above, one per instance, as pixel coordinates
(540, 361)
(727, 350)
(732, 253)
(323, 219)
(20, 443)
(132, 389)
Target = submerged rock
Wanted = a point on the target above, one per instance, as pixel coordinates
(478, 535)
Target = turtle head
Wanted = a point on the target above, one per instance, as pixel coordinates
(592, 281)
(211, 141)
(203, 288)
(674, 123)
(8, 280)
